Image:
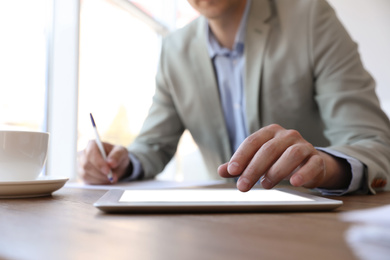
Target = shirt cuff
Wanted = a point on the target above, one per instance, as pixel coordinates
(357, 170)
(137, 169)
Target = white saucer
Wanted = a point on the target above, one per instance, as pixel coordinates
(25, 189)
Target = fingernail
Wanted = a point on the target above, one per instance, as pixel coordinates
(296, 180)
(243, 184)
(233, 168)
(266, 183)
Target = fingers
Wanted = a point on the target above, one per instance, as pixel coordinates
(118, 159)
(279, 155)
(273, 154)
(223, 172)
(116, 156)
(92, 176)
(93, 169)
(265, 160)
(311, 174)
(246, 151)
(89, 172)
(294, 156)
(95, 157)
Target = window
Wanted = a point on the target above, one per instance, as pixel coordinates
(119, 51)
(118, 61)
(23, 64)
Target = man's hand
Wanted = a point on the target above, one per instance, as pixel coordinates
(93, 169)
(274, 153)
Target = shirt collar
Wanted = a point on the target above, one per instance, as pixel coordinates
(215, 48)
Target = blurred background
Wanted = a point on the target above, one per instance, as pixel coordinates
(63, 59)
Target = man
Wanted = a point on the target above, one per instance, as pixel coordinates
(270, 90)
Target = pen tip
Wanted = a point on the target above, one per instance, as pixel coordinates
(93, 121)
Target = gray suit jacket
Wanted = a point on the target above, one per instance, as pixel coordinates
(303, 72)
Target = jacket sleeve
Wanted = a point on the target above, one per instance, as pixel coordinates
(345, 93)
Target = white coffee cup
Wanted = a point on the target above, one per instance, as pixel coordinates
(22, 155)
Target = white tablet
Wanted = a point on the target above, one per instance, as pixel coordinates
(211, 200)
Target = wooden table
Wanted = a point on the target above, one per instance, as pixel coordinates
(67, 226)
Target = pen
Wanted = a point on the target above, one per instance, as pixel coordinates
(100, 145)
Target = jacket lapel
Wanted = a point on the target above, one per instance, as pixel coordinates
(209, 92)
(255, 41)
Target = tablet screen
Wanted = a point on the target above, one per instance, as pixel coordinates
(209, 195)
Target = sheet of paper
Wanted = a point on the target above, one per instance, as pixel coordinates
(377, 216)
(147, 184)
(369, 237)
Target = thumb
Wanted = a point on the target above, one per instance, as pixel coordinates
(223, 172)
(117, 156)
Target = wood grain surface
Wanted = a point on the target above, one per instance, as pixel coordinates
(66, 225)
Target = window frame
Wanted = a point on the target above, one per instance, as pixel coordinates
(62, 87)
